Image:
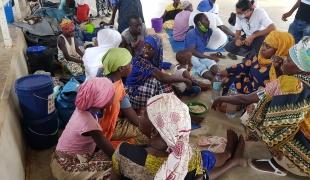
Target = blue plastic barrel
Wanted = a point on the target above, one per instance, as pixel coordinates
(35, 95)
(9, 12)
(42, 133)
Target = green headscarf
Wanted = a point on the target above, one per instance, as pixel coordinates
(114, 59)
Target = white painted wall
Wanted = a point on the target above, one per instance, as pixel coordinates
(12, 147)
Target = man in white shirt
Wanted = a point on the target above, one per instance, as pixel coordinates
(256, 25)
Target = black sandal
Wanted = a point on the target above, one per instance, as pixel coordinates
(232, 56)
(217, 54)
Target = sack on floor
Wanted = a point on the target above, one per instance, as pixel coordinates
(65, 101)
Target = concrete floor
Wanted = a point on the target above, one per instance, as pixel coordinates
(214, 123)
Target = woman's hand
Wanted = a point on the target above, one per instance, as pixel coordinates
(217, 103)
(277, 61)
(188, 82)
(224, 73)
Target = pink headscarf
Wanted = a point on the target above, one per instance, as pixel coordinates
(170, 116)
(95, 92)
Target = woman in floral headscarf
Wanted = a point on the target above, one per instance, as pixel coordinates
(281, 119)
(168, 155)
(69, 52)
(256, 72)
(146, 79)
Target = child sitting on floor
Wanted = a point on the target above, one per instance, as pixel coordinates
(183, 70)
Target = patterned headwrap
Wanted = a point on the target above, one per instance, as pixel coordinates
(282, 42)
(156, 43)
(95, 92)
(67, 25)
(143, 68)
(300, 54)
(170, 116)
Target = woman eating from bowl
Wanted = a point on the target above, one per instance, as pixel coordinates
(168, 155)
(281, 119)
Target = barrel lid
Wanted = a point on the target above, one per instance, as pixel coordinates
(36, 49)
(32, 82)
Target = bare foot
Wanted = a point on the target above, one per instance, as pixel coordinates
(238, 158)
(232, 142)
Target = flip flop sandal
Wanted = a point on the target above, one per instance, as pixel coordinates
(218, 55)
(276, 171)
(232, 56)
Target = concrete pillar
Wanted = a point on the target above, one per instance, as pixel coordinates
(17, 7)
(4, 27)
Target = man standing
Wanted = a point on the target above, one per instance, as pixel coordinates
(301, 24)
(126, 9)
(195, 41)
(255, 23)
(133, 37)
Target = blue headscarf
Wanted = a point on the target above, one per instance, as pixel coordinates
(143, 68)
(205, 6)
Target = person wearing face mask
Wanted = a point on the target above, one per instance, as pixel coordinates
(196, 41)
(256, 25)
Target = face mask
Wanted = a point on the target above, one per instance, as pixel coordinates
(241, 16)
(202, 28)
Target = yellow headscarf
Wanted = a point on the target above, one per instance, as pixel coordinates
(114, 59)
(282, 41)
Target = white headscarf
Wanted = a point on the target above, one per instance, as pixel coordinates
(92, 59)
(170, 116)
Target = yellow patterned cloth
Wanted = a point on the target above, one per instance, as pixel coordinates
(281, 119)
(282, 42)
(127, 162)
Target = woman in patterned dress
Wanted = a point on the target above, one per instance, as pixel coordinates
(281, 118)
(147, 79)
(254, 73)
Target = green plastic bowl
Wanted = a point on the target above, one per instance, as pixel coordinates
(194, 104)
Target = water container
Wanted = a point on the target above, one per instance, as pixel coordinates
(35, 95)
(217, 83)
(231, 110)
(42, 133)
(9, 12)
(157, 24)
(40, 58)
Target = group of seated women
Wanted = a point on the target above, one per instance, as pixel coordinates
(128, 124)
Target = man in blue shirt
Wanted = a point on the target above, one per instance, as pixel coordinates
(196, 41)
